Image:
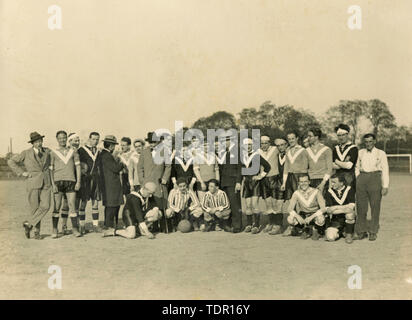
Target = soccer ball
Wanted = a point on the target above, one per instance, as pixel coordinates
(184, 226)
(331, 234)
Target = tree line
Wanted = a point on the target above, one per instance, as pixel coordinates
(362, 116)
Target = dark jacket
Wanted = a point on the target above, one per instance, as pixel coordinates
(110, 185)
(230, 174)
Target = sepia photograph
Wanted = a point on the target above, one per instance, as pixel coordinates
(199, 150)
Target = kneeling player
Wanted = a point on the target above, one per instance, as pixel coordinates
(139, 211)
(183, 204)
(310, 207)
(216, 208)
(340, 201)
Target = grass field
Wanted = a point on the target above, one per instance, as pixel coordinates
(214, 265)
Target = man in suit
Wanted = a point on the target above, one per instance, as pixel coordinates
(111, 187)
(152, 168)
(36, 163)
(230, 181)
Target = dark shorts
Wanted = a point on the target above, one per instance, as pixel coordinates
(270, 187)
(65, 186)
(89, 189)
(337, 221)
(314, 183)
(251, 188)
(292, 184)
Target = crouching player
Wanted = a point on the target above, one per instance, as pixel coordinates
(306, 211)
(139, 212)
(340, 202)
(216, 208)
(184, 204)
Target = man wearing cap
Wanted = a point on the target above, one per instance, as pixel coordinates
(345, 155)
(230, 173)
(139, 213)
(109, 170)
(251, 190)
(372, 182)
(35, 163)
(152, 167)
(66, 180)
(269, 182)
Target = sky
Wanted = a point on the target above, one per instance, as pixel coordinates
(132, 66)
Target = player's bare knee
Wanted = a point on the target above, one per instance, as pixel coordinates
(292, 220)
(320, 221)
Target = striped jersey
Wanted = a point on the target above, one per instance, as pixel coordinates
(179, 200)
(215, 200)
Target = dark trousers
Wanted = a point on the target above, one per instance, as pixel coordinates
(368, 191)
(111, 214)
(235, 206)
(161, 203)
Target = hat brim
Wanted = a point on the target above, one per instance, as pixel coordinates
(32, 140)
(110, 141)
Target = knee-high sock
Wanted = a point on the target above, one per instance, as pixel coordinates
(55, 221)
(256, 219)
(64, 215)
(320, 228)
(349, 228)
(271, 219)
(278, 219)
(82, 217)
(249, 220)
(74, 223)
(95, 217)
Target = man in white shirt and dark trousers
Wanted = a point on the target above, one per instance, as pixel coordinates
(372, 182)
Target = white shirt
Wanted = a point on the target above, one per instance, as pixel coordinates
(374, 160)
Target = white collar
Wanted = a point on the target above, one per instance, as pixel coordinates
(343, 198)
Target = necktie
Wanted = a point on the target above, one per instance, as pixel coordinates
(40, 154)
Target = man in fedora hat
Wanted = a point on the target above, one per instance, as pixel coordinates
(36, 163)
(152, 167)
(111, 187)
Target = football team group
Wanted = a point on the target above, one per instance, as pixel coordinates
(309, 190)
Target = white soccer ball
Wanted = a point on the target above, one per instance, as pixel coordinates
(331, 234)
